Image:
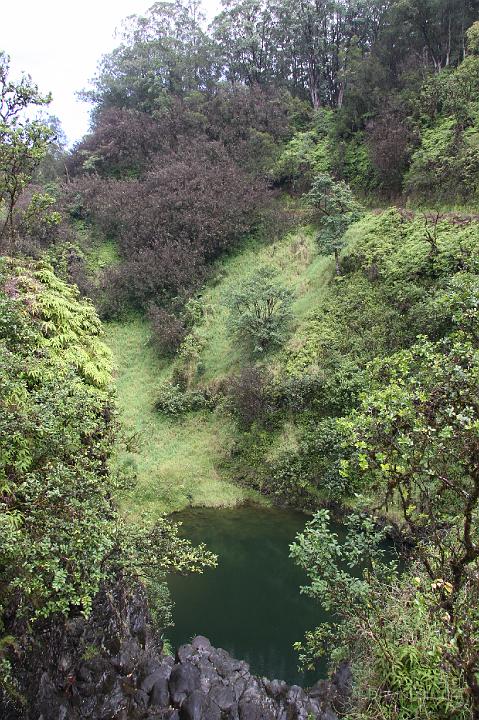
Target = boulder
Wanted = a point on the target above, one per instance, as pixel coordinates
(184, 679)
(110, 665)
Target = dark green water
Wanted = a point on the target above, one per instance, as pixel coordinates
(250, 604)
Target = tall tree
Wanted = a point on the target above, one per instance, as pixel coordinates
(165, 52)
(23, 141)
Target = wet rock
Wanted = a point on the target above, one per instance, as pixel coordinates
(223, 696)
(184, 679)
(342, 680)
(192, 707)
(184, 653)
(276, 688)
(159, 695)
(201, 643)
(111, 666)
(251, 710)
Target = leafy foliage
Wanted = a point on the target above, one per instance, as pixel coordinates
(61, 533)
(399, 643)
(414, 447)
(260, 311)
(173, 400)
(193, 204)
(333, 204)
(168, 331)
(23, 142)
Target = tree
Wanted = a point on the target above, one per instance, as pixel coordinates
(23, 142)
(417, 447)
(260, 311)
(164, 53)
(384, 623)
(192, 204)
(415, 458)
(243, 42)
(437, 28)
(334, 206)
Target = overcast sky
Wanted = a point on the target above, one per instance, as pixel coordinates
(59, 43)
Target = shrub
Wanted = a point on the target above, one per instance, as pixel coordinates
(400, 649)
(173, 400)
(333, 205)
(311, 470)
(167, 331)
(446, 163)
(61, 536)
(260, 311)
(191, 205)
(249, 397)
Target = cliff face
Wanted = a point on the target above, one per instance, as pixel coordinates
(110, 667)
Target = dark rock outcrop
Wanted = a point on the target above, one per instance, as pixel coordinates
(110, 667)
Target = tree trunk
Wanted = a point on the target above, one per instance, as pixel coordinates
(336, 259)
(313, 82)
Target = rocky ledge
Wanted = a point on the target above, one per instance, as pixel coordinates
(110, 667)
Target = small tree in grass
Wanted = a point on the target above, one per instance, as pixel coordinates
(260, 311)
(333, 205)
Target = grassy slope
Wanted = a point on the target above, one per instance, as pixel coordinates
(175, 460)
(178, 462)
(298, 267)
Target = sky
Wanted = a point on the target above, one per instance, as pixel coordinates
(59, 43)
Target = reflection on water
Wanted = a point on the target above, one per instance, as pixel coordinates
(250, 604)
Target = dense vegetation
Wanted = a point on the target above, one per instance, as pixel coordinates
(228, 209)
(62, 536)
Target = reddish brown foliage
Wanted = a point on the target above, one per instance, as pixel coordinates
(193, 204)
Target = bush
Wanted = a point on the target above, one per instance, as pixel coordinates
(311, 470)
(249, 396)
(260, 311)
(175, 401)
(332, 204)
(167, 331)
(61, 536)
(445, 164)
(191, 205)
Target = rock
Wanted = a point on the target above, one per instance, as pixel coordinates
(342, 680)
(250, 710)
(201, 643)
(160, 696)
(148, 683)
(225, 664)
(192, 707)
(222, 696)
(111, 666)
(184, 653)
(141, 699)
(184, 679)
(277, 689)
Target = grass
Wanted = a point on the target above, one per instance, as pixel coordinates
(298, 268)
(178, 462)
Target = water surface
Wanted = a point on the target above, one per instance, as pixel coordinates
(251, 603)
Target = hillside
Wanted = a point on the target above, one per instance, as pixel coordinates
(181, 461)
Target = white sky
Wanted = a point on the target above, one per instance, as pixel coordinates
(59, 43)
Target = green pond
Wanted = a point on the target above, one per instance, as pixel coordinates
(251, 604)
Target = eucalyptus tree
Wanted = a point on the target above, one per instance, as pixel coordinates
(244, 37)
(164, 52)
(305, 46)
